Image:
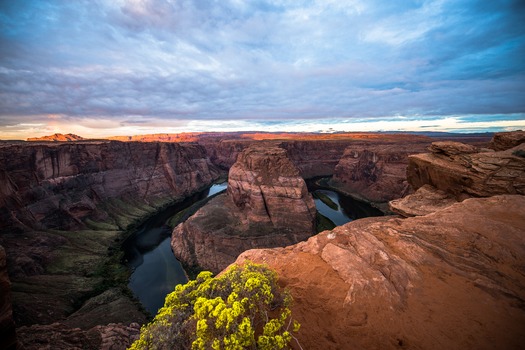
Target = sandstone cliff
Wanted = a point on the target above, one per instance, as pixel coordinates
(267, 205)
(463, 171)
(60, 185)
(57, 137)
(63, 211)
(449, 280)
(376, 172)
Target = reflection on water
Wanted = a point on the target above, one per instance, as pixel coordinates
(155, 270)
(348, 208)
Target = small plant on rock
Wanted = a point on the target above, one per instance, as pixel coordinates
(244, 308)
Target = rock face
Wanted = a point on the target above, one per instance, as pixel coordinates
(61, 337)
(375, 172)
(506, 140)
(448, 280)
(61, 185)
(267, 188)
(312, 157)
(463, 172)
(63, 210)
(267, 205)
(7, 325)
(57, 137)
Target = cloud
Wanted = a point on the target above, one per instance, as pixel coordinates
(153, 61)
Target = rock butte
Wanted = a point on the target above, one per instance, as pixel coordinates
(267, 205)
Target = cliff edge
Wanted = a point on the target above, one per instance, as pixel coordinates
(449, 278)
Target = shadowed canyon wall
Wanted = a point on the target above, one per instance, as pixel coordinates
(60, 185)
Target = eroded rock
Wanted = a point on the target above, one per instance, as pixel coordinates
(7, 325)
(376, 173)
(465, 175)
(267, 205)
(452, 279)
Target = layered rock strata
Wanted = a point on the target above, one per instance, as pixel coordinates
(60, 185)
(448, 280)
(463, 171)
(64, 207)
(58, 336)
(375, 172)
(267, 205)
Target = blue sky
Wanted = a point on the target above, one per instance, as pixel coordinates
(101, 68)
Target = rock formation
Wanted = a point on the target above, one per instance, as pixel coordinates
(267, 205)
(375, 172)
(61, 337)
(7, 325)
(450, 280)
(61, 185)
(463, 171)
(506, 140)
(57, 137)
(450, 277)
(63, 210)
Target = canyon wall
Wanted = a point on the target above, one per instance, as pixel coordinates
(450, 277)
(375, 172)
(7, 324)
(46, 186)
(64, 209)
(312, 157)
(267, 205)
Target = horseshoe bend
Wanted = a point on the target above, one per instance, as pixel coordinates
(443, 268)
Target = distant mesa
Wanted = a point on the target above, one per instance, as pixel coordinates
(57, 137)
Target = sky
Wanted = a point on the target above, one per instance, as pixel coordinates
(126, 67)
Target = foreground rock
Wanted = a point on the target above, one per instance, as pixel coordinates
(267, 205)
(506, 140)
(449, 280)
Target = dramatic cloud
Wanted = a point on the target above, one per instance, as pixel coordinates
(114, 67)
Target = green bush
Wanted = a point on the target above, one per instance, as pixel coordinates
(242, 309)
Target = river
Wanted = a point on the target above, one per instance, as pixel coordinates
(156, 271)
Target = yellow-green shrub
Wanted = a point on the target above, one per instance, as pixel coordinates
(242, 309)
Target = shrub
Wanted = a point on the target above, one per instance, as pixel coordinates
(242, 309)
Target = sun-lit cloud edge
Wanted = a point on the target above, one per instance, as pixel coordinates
(97, 127)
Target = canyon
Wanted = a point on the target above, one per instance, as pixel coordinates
(65, 208)
(267, 204)
(447, 276)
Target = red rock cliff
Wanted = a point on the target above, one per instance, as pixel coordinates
(60, 185)
(376, 172)
(267, 205)
(449, 278)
